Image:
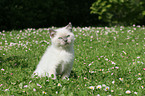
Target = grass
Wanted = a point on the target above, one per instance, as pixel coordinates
(108, 61)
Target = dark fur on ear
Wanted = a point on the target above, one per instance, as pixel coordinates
(69, 26)
(52, 33)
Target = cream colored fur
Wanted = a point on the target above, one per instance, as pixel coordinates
(59, 57)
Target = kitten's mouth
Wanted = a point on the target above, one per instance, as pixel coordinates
(66, 43)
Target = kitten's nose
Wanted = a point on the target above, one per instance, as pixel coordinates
(65, 40)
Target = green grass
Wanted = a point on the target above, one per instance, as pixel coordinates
(106, 56)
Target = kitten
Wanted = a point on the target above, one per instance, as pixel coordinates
(59, 57)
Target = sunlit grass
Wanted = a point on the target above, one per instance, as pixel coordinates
(108, 61)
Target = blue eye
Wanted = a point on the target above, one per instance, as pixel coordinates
(60, 38)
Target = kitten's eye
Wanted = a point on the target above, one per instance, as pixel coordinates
(68, 36)
(60, 38)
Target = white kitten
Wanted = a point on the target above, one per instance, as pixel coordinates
(59, 57)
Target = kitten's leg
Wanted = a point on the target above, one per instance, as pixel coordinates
(52, 72)
(66, 73)
(39, 72)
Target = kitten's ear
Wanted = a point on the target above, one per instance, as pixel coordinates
(69, 26)
(52, 33)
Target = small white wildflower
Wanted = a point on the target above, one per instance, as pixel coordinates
(139, 74)
(91, 87)
(6, 89)
(99, 87)
(1, 85)
(139, 78)
(142, 87)
(138, 61)
(59, 84)
(34, 89)
(3, 69)
(124, 52)
(106, 88)
(128, 92)
(39, 85)
(25, 86)
(47, 80)
(113, 82)
(117, 67)
(89, 64)
(103, 85)
(92, 71)
(113, 63)
(112, 90)
(30, 81)
(135, 92)
(44, 92)
(121, 79)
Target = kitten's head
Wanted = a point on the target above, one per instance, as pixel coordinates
(62, 37)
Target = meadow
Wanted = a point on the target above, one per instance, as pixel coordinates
(109, 61)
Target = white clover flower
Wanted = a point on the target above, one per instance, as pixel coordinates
(128, 92)
(99, 87)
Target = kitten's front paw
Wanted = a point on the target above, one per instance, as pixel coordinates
(34, 74)
(52, 76)
(65, 77)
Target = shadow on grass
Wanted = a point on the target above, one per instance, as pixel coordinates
(19, 61)
(73, 75)
(14, 62)
(1, 61)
